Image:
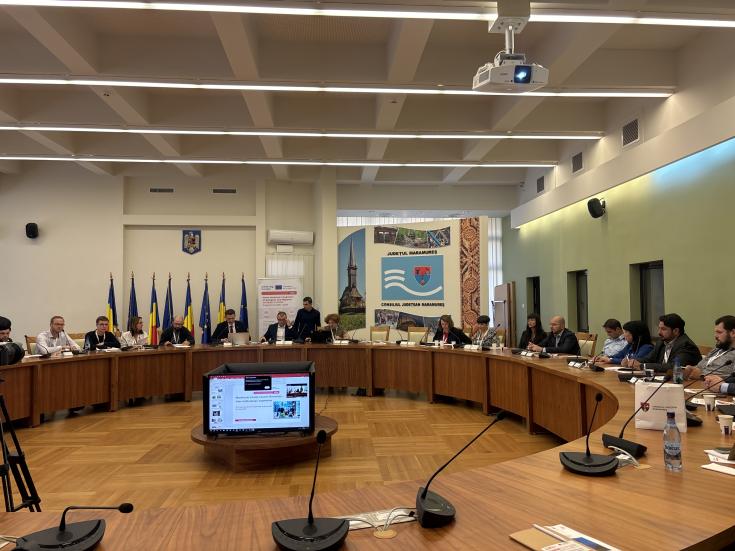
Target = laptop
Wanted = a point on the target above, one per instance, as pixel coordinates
(239, 338)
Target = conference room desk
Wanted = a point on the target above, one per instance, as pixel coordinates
(635, 509)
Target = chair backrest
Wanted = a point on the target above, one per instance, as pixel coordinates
(587, 343)
(78, 338)
(31, 344)
(467, 330)
(500, 334)
(379, 333)
(704, 350)
(416, 334)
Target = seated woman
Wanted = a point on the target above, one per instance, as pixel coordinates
(483, 334)
(639, 344)
(534, 332)
(333, 326)
(448, 333)
(135, 336)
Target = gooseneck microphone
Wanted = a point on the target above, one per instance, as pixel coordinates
(399, 341)
(688, 402)
(311, 534)
(589, 464)
(633, 448)
(432, 510)
(78, 536)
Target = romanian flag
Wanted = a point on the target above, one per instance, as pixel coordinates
(168, 307)
(222, 307)
(188, 312)
(111, 311)
(204, 317)
(133, 302)
(153, 320)
(244, 305)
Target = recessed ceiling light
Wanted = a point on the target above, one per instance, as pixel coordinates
(469, 135)
(339, 89)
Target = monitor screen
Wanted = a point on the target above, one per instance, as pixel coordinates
(250, 398)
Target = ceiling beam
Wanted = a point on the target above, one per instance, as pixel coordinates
(562, 52)
(76, 47)
(405, 48)
(241, 48)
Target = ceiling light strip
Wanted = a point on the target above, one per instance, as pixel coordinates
(542, 16)
(273, 162)
(470, 135)
(438, 91)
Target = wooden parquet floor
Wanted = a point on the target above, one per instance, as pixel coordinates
(144, 454)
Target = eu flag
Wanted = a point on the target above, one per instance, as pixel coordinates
(168, 307)
(133, 302)
(244, 305)
(204, 318)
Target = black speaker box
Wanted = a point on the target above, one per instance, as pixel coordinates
(596, 207)
(31, 230)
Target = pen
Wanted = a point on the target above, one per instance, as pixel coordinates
(549, 532)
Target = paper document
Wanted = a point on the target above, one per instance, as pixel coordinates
(719, 468)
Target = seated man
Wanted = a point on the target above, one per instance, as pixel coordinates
(675, 345)
(177, 334)
(230, 325)
(5, 330)
(723, 352)
(483, 333)
(615, 340)
(101, 338)
(279, 331)
(307, 319)
(560, 340)
(55, 339)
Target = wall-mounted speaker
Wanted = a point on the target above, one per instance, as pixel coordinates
(31, 230)
(596, 207)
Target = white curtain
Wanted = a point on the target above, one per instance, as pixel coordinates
(494, 258)
(292, 265)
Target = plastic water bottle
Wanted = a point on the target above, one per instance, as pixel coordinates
(678, 374)
(672, 443)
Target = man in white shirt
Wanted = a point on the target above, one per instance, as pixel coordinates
(279, 331)
(615, 340)
(55, 339)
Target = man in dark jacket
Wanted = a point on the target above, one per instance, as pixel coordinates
(101, 336)
(674, 345)
(230, 325)
(559, 341)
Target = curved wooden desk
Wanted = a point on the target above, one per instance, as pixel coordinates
(636, 509)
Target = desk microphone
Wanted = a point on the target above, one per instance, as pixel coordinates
(432, 510)
(423, 339)
(299, 339)
(586, 463)
(633, 448)
(399, 341)
(78, 536)
(311, 534)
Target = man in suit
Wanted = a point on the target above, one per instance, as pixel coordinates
(230, 325)
(559, 341)
(279, 331)
(101, 337)
(5, 330)
(177, 334)
(675, 345)
(714, 366)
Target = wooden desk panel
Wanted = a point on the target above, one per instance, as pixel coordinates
(206, 359)
(340, 365)
(156, 374)
(462, 375)
(509, 385)
(17, 390)
(556, 404)
(606, 410)
(402, 369)
(283, 353)
(72, 382)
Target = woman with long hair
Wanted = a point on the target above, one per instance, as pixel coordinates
(534, 332)
(135, 335)
(639, 344)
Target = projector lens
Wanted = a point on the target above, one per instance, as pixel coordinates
(522, 74)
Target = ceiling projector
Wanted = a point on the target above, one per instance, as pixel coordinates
(510, 72)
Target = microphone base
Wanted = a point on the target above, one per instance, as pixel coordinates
(633, 448)
(297, 534)
(589, 465)
(433, 510)
(78, 536)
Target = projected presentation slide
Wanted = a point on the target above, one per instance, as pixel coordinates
(259, 402)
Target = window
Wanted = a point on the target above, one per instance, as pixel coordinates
(494, 260)
(379, 220)
(292, 265)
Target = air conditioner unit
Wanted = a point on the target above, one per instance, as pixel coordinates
(287, 237)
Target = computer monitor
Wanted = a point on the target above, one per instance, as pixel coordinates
(253, 398)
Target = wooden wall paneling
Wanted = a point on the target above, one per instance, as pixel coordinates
(282, 353)
(114, 382)
(402, 369)
(557, 404)
(509, 386)
(70, 382)
(462, 375)
(206, 359)
(18, 391)
(340, 366)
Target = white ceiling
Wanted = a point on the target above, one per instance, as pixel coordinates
(119, 44)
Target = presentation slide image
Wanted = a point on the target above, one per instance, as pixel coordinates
(289, 409)
(296, 391)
